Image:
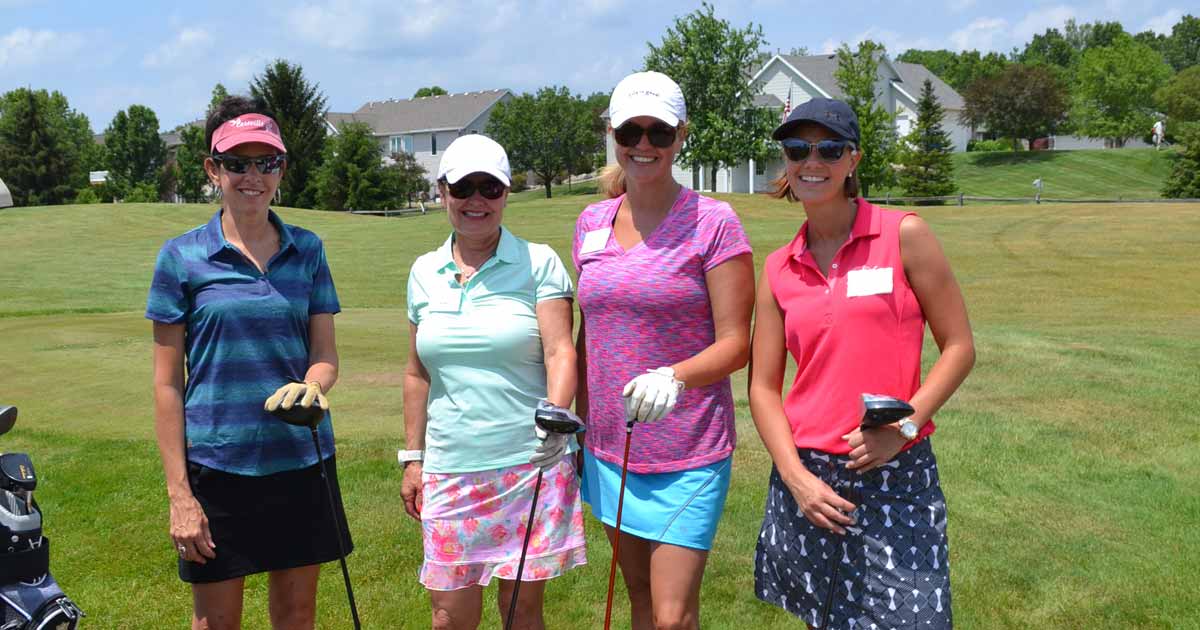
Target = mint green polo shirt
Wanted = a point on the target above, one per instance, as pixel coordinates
(481, 346)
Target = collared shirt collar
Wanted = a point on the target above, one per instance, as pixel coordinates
(214, 234)
(507, 251)
(866, 223)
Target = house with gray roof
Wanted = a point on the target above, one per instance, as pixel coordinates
(791, 80)
(5, 196)
(423, 127)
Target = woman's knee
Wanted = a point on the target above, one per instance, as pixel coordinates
(675, 616)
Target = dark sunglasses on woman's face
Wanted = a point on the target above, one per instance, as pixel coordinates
(490, 188)
(661, 134)
(267, 164)
(828, 151)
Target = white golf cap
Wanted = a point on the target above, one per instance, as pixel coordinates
(647, 94)
(474, 153)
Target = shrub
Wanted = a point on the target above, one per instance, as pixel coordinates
(989, 145)
(87, 195)
(145, 192)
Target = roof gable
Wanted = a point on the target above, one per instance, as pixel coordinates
(444, 112)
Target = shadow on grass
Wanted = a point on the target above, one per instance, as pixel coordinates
(1001, 158)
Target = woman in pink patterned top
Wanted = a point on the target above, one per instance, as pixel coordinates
(666, 289)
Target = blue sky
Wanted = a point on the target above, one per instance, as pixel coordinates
(108, 55)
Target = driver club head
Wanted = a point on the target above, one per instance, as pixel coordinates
(553, 419)
(308, 417)
(881, 410)
(16, 472)
(8, 417)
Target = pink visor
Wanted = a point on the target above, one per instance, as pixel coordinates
(245, 129)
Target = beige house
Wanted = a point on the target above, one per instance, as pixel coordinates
(423, 127)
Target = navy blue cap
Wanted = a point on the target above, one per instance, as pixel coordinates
(831, 114)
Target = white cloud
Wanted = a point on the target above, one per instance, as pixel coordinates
(958, 6)
(27, 47)
(246, 66)
(373, 25)
(981, 34)
(1037, 21)
(1162, 24)
(188, 44)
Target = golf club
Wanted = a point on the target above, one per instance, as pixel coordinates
(311, 417)
(612, 566)
(878, 411)
(551, 419)
(8, 417)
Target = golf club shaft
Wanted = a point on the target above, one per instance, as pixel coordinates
(612, 568)
(512, 605)
(337, 524)
(854, 497)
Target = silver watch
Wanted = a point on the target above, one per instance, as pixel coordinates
(908, 429)
(404, 457)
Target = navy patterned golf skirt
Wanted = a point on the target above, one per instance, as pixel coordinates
(891, 566)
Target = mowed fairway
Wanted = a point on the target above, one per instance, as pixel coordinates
(1069, 458)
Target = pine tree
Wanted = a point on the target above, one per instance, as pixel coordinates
(299, 108)
(1184, 180)
(928, 169)
(36, 168)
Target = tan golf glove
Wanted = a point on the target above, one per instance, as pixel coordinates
(303, 394)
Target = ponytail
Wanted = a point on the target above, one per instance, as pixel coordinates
(612, 181)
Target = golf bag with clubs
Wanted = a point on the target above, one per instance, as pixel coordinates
(30, 599)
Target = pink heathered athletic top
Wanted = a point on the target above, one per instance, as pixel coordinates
(649, 307)
(857, 331)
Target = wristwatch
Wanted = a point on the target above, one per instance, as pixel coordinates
(908, 429)
(404, 457)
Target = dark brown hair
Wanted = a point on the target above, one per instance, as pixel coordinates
(229, 108)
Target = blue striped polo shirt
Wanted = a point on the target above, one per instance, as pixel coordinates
(246, 335)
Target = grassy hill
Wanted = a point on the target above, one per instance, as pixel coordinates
(1068, 457)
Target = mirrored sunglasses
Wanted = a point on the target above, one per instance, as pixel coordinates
(828, 151)
(267, 164)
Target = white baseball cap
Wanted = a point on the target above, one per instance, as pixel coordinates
(647, 94)
(474, 153)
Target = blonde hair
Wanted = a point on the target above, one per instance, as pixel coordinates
(612, 177)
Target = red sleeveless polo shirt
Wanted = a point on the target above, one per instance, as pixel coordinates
(858, 330)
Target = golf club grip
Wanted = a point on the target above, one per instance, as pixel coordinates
(512, 604)
(337, 528)
(612, 568)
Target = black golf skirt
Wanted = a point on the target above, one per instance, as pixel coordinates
(890, 570)
(267, 523)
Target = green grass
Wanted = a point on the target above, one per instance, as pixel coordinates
(1089, 174)
(1069, 457)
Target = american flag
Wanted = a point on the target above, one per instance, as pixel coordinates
(787, 107)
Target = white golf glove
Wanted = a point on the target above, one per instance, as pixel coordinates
(551, 450)
(652, 395)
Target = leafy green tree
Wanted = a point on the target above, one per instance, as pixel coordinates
(708, 57)
(1156, 41)
(957, 69)
(1027, 102)
(135, 151)
(1183, 46)
(143, 192)
(1179, 99)
(432, 90)
(219, 93)
(1050, 48)
(1184, 180)
(549, 133)
(299, 108)
(351, 174)
(925, 154)
(404, 179)
(189, 160)
(1114, 89)
(1086, 36)
(857, 74)
(37, 167)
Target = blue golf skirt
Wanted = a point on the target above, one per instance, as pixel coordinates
(678, 508)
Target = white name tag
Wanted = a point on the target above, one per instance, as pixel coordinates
(595, 240)
(861, 282)
(446, 303)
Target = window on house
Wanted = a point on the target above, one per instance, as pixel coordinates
(760, 167)
(433, 141)
(400, 144)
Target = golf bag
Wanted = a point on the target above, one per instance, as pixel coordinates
(30, 599)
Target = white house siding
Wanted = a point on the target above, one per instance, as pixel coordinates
(1063, 143)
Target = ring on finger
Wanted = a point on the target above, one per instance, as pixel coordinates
(181, 549)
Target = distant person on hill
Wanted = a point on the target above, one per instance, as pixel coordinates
(848, 299)
(1158, 133)
(489, 323)
(666, 288)
(243, 312)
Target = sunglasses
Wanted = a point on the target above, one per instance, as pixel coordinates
(267, 164)
(661, 134)
(490, 188)
(828, 151)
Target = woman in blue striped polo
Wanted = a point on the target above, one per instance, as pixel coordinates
(245, 303)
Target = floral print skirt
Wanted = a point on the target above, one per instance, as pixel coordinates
(474, 525)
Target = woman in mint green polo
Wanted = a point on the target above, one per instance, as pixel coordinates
(490, 327)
